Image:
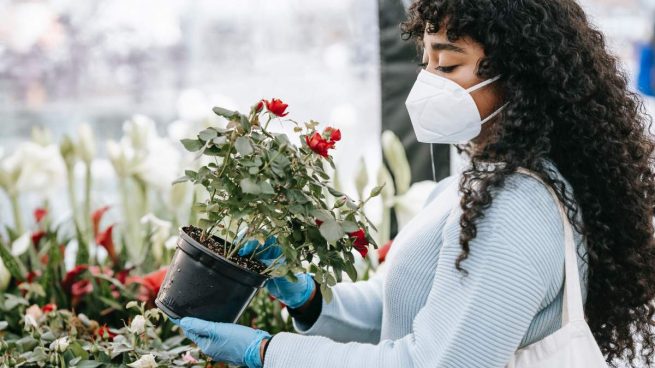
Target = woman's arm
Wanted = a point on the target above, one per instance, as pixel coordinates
(473, 321)
(353, 314)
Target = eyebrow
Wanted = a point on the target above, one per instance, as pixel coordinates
(447, 47)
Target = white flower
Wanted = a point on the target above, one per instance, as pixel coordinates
(146, 361)
(20, 245)
(394, 153)
(123, 158)
(32, 168)
(60, 345)
(138, 325)
(30, 321)
(86, 144)
(34, 312)
(5, 276)
(41, 136)
(140, 130)
(171, 243)
(160, 231)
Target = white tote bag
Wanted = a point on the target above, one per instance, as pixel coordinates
(573, 345)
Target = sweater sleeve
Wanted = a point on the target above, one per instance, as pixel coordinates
(473, 321)
(353, 314)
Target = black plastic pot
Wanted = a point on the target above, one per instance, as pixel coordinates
(200, 283)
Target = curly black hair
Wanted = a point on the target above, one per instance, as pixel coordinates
(568, 102)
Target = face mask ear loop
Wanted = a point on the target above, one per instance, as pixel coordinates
(483, 84)
(493, 114)
(434, 174)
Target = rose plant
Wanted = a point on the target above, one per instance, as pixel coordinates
(259, 184)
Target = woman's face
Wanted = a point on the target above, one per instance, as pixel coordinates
(458, 61)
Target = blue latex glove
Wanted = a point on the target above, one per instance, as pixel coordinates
(225, 342)
(293, 294)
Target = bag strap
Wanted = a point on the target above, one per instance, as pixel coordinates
(572, 307)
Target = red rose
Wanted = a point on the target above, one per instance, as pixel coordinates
(383, 251)
(259, 107)
(277, 107)
(361, 243)
(96, 217)
(39, 214)
(105, 240)
(333, 134)
(103, 331)
(319, 144)
(36, 237)
(49, 308)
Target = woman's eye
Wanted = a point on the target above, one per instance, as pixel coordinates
(446, 69)
(423, 65)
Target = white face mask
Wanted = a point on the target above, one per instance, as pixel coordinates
(442, 111)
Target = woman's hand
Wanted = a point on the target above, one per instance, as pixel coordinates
(226, 342)
(292, 293)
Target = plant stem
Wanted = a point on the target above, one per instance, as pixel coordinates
(129, 220)
(87, 198)
(70, 177)
(273, 264)
(15, 206)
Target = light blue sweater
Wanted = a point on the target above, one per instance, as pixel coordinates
(420, 312)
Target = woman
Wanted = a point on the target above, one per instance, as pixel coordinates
(467, 285)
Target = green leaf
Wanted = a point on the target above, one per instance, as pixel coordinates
(219, 141)
(12, 263)
(349, 226)
(208, 134)
(243, 146)
(376, 191)
(223, 112)
(331, 231)
(335, 192)
(351, 271)
(249, 186)
(192, 145)
(323, 215)
(327, 293)
(245, 123)
(181, 180)
(266, 187)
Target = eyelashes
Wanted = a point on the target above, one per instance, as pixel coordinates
(443, 69)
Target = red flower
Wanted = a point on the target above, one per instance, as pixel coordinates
(103, 331)
(259, 107)
(49, 308)
(150, 284)
(31, 276)
(105, 240)
(81, 288)
(333, 134)
(96, 217)
(39, 214)
(36, 237)
(319, 144)
(71, 275)
(277, 107)
(361, 243)
(383, 251)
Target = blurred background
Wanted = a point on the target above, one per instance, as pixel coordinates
(163, 64)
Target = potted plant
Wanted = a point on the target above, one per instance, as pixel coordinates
(260, 185)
